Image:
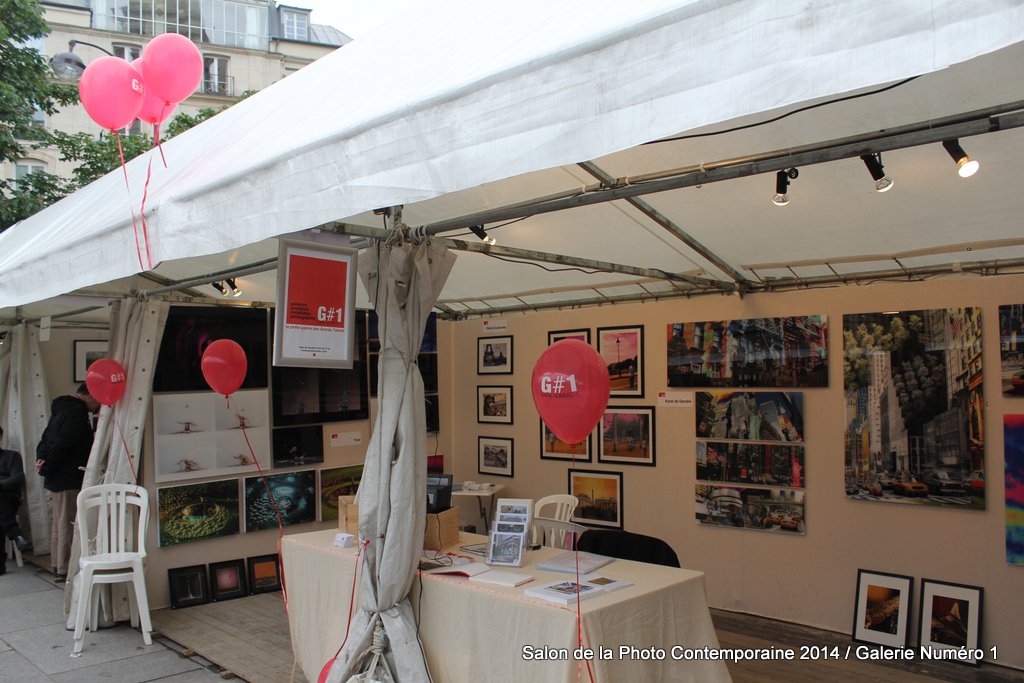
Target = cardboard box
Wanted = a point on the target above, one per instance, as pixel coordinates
(442, 529)
(348, 515)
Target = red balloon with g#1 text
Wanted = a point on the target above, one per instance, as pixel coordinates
(224, 366)
(106, 380)
(570, 388)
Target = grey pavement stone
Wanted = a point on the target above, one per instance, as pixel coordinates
(146, 667)
(16, 669)
(4, 647)
(197, 676)
(49, 647)
(29, 610)
(22, 580)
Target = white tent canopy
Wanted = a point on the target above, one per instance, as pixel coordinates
(457, 109)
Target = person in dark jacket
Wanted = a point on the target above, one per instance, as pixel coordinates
(12, 478)
(61, 457)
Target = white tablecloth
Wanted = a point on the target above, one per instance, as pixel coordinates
(478, 632)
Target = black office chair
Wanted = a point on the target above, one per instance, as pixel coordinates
(626, 545)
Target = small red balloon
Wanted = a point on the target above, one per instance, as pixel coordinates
(570, 388)
(106, 380)
(111, 91)
(224, 366)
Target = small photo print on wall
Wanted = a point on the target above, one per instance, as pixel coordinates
(627, 436)
(553, 448)
(494, 404)
(197, 512)
(334, 483)
(494, 355)
(582, 335)
(296, 446)
(1011, 348)
(881, 614)
(751, 416)
(600, 498)
(495, 456)
(294, 494)
(1013, 448)
(622, 349)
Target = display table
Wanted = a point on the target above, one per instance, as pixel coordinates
(478, 632)
(480, 494)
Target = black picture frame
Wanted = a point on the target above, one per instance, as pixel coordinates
(583, 334)
(950, 618)
(626, 443)
(190, 329)
(494, 355)
(264, 572)
(228, 580)
(553, 448)
(298, 446)
(85, 352)
(625, 372)
(189, 586)
(881, 614)
(495, 456)
(593, 508)
(494, 404)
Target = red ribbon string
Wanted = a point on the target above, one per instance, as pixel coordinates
(142, 212)
(579, 613)
(131, 207)
(280, 523)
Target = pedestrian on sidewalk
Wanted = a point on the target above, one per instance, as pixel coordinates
(12, 479)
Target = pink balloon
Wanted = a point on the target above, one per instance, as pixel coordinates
(172, 66)
(111, 91)
(106, 380)
(154, 110)
(570, 388)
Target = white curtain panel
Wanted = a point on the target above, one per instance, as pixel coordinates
(403, 282)
(134, 343)
(24, 412)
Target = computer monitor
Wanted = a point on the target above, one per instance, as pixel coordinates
(439, 492)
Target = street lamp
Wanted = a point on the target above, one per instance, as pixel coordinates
(618, 358)
(67, 65)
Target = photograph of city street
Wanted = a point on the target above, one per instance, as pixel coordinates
(553, 448)
(758, 352)
(914, 407)
(765, 416)
(745, 463)
(1011, 348)
(627, 436)
(622, 349)
(600, 498)
(762, 509)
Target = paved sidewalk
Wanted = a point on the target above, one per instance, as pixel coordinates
(35, 646)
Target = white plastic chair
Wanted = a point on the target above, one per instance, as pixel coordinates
(558, 507)
(112, 552)
(12, 550)
(551, 532)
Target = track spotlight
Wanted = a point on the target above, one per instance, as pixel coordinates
(235, 291)
(965, 166)
(221, 289)
(883, 183)
(479, 231)
(782, 179)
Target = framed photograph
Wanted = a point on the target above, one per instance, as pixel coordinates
(227, 580)
(778, 510)
(600, 498)
(558, 335)
(881, 613)
(336, 482)
(507, 549)
(296, 446)
(189, 586)
(627, 436)
(197, 512)
(264, 574)
(494, 355)
(951, 617)
(294, 496)
(553, 448)
(494, 456)
(85, 353)
(622, 349)
(494, 405)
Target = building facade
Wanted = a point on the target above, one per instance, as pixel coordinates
(246, 45)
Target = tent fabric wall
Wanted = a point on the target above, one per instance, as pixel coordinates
(442, 102)
(134, 343)
(24, 412)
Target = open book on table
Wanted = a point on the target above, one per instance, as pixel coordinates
(562, 592)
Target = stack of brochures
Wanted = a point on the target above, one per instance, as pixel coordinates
(566, 562)
(481, 573)
(508, 535)
(562, 592)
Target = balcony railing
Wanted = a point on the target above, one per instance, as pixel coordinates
(225, 85)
